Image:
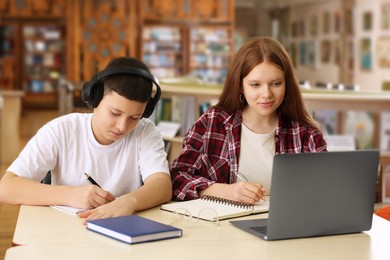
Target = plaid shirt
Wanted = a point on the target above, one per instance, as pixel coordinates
(211, 150)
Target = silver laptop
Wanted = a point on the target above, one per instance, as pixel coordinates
(318, 194)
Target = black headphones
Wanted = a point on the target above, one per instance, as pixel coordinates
(92, 94)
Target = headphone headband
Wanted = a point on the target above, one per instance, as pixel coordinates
(92, 97)
(125, 70)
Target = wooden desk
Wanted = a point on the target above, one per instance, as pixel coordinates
(47, 233)
(9, 125)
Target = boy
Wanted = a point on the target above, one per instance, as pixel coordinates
(115, 145)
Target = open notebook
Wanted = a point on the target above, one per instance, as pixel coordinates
(68, 209)
(212, 208)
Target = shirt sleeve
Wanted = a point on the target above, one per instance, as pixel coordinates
(152, 155)
(38, 156)
(190, 171)
(316, 142)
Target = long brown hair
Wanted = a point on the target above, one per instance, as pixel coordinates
(252, 53)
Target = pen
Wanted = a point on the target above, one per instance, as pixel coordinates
(242, 178)
(92, 181)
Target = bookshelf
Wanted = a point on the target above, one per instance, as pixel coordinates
(211, 49)
(187, 38)
(375, 102)
(94, 32)
(7, 39)
(162, 50)
(43, 57)
(200, 93)
(178, 50)
(44, 62)
(32, 59)
(33, 49)
(8, 32)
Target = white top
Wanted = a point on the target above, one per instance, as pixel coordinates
(67, 147)
(256, 156)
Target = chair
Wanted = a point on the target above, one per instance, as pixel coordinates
(383, 212)
(65, 96)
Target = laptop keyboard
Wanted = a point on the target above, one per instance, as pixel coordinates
(262, 230)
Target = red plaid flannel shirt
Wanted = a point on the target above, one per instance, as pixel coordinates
(211, 150)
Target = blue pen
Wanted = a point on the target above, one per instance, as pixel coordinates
(241, 177)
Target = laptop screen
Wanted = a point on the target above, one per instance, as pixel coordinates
(327, 193)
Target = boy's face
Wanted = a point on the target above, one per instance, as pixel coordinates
(114, 117)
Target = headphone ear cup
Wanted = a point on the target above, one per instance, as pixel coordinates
(96, 95)
(92, 94)
(153, 100)
(152, 103)
(149, 108)
(85, 92)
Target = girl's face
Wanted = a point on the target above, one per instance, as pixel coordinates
(264, 89)
(114, 117)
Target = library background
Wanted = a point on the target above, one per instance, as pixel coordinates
(340, 49)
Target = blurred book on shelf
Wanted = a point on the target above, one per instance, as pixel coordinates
(361, 125)
(328, 120)
(340, 142)
(385, 130)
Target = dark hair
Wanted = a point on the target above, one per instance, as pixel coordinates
(252, 53)
(130, 86)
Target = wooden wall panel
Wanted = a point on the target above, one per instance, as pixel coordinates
(33, 8)
(156, 10)
(188, 10)
(102, 30)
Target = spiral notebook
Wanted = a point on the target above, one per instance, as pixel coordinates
(213, 209)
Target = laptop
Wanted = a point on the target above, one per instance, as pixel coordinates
(318, 194)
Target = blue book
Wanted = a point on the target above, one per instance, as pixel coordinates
(133, 229)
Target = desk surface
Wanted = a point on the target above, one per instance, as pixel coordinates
(47, 233)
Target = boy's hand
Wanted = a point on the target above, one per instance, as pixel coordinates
(89, 197)
(120, 207)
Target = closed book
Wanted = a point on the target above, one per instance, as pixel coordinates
(133, 229)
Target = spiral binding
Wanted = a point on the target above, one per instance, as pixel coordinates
(227, 202)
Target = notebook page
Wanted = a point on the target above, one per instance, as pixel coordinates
(68, 209)
(261, 206)
(210, 210)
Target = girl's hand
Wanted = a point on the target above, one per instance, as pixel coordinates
(247, 192)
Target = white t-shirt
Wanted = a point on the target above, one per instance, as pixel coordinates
(67, 147)
(256, 156)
